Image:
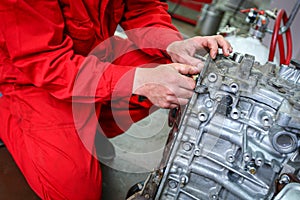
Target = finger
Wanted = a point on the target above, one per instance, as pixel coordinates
(182, 87)
(224, 44)
(183, 101)
(200, 66)
(182, 92)
(186, 69)
(190, 60)
(212, 44)
(196, 62)
(173, 106)
(182, 82)
(206, 42)
(177, 101)
(187, 83)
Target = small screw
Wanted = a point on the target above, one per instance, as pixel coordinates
(197, 152)
(187, 146)
(209, 103)
(251, 168)
(173, 184)
(284, 179)
(183, 180)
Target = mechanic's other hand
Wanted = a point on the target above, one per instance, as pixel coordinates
(166, 86)
(183, 51)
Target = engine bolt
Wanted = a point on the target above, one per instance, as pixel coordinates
(284, 179)
(183, 180)
(209, 103)
(251, 168)
(187, 146)
(197, 152)
(173, 184)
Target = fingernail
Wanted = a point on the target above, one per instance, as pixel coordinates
(214, 55)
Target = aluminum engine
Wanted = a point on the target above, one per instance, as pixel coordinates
(238, 137)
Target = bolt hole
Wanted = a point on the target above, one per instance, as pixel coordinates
(202, 117)
(235, 114)
(212, 77)
(285, 141)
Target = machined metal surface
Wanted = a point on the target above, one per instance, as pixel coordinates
(238, 134)
(290, 192)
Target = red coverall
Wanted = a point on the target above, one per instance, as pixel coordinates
(42, 47)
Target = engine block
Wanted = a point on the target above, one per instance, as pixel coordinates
(237, 136)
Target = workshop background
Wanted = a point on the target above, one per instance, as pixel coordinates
(139, 150)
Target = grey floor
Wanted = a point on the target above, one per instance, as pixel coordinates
(139, 150)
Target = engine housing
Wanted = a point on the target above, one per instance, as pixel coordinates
(238, 137)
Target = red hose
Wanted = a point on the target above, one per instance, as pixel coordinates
(276, 37)
(289, 44)
(281, 48)
(285, 59)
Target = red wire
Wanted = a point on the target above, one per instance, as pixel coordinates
(276, 37)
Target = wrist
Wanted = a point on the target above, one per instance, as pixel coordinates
(169, 47)
(138, 86)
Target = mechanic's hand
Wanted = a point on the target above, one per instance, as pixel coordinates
(166, 86)
(183, 51)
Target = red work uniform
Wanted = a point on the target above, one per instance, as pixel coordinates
(44, 46)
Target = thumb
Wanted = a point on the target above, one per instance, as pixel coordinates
(186, 69)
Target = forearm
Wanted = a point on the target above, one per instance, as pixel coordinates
(149, 25)
(40, 49)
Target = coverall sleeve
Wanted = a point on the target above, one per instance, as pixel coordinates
(152, 24)
(34, 35)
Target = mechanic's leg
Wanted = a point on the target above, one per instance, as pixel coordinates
(117, 116)
(39, 132)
